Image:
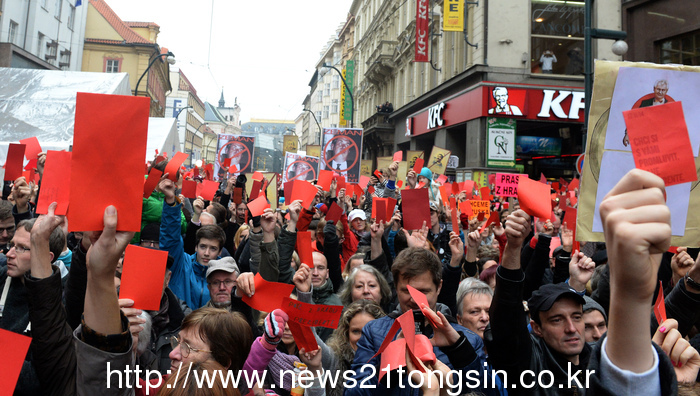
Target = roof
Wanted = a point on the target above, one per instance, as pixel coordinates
(211, 114)
(120, 26)
(135, 24)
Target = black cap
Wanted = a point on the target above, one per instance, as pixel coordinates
(544, 297)
(151, 232)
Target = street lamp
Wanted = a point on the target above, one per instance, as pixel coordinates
(192, 141)
(180, 111)
(320, 130)
(170, 58)
(352, 101)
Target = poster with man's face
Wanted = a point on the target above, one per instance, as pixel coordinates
(300, 167)
(341, 151)
(240, 152)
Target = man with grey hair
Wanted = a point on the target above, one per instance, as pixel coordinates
(473, 303)
(500, 95)
(659, 98)
(221, 279)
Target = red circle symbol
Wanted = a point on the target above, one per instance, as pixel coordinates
(238, 148)
(311, 169)
(350, 146)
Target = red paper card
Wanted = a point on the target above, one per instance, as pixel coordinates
(534, 198)
(109, 150)
(238, 195)
(555, 186)
(258, 206)
(418, 166)
(485, 193)
(442, 179)
(325, 177)
(570, 218)
(55, 186)
(142, 276)
(303, 336)
(453, 214)
(268, 295)
(189, 189)
(152, 181)
(378, 174)
(33, 147)
(494, 217)
(573, 185)
(334, 213)
(492, 179)
(207, 189)
(288, 187)
(227, 163)
(468, 186)
(14, 351)
(420, 299)
(312, 315)
(15, 161)
(542, 178)
(257, 176)
(444, 193)
(364, 180)
(398, 156)
(173, 166)
(416, 208)
(660, 142)
(466, 208)
(379, 209)
(340, 182)
(255, 190)
(660, 306)
(31, 165)
(305, 191)
(303, 248)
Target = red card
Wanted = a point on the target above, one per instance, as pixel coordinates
(444, 195)
(31, 165)
(258, 206)
(173, 166)
(334, 213)
(542, 178)
(379, 209)
(303, 336)
(660, 305)
(268, 295)
(416, 208)
(466, 208)
(227, 163)
(364, 180)
(420, 185)
(494, 217)
(55, 186)
(238, 195)
(378, 174)
(152, 181)
(189, 189)
(442, 179)
(420, 299)
(15, 161)
(398, 156)
(207, 189)
(453, 214)
(399, 183)
(109, 150)
(454, 187)
(570, 218)
(142, 276)
(660, 142)
(485, 193)
(33, 147)
(159, 159)
(257, 176)
(255, 190)
(303, 248)
(288, 187)
(555, 186)
(340, 182)
(14, 351)
(534, 197)
(573, 185)
(468, 186)
(418, 166)
(312, 315)
(305, 191)
(325, 177)
(492, 178)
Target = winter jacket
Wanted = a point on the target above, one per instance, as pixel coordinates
(152, 212)
(286, 244)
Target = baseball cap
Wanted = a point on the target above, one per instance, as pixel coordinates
(357, 213)
(227, 264)
(544, 297)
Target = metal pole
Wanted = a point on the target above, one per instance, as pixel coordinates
(587, 68)
(352, 100)
(136, 91)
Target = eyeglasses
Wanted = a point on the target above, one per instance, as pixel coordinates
(9, 230)
(227, 282)
(185, 348)
(18, 248)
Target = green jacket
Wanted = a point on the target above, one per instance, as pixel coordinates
(152, 212)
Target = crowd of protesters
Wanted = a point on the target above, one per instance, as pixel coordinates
(500, 301)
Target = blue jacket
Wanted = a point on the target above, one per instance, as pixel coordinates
(188, 280)
(372, 336)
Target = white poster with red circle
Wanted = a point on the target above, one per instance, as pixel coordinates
(341, 152)
(300, 167)
(234, 155)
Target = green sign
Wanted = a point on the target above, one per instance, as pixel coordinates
(349, 79)
(500, 148)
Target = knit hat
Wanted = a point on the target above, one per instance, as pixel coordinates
(323, 208)
(151, 232)
(427, 173)
(593, 304)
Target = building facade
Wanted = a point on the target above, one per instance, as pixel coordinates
(269, 142)
(184, 104)
(44, 34)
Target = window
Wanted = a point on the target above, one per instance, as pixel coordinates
(336, 57)
(684, 49)
(71, 18)
(64, 62)
(12, 37)
(557, 37)
(57, 13)
(319, 116)
(39, 45)
(334, 125)
(319, 96)
(334, 106)
(336, 81)
(112, 66)
(325, 111)
(327, 89)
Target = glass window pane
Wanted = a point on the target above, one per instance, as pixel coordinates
(557, 19)
(567, 56)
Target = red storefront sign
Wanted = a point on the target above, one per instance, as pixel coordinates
(546, 103)
(422, 31)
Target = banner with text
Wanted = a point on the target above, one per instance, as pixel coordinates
(422, 31)
(454, 16)
(501, 144)
(341, 152)
(240, 149)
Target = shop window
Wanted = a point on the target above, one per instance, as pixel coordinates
(557, 37)
(683, 49)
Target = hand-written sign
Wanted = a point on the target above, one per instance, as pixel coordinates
(312, 315)
(506, 185)
(479, 206)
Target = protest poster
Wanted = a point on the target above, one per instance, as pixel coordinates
(240, 149)
(341, 151)
(299, 167)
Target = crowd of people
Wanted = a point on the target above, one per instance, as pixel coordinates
(503, 306)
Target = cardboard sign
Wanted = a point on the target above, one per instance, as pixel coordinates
(55, 186)
(142, 276)
(480, 207)
(506, 185)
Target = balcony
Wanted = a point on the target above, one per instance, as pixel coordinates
(380, 64)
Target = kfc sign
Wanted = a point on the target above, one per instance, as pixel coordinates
(552, 104)
(435, 115)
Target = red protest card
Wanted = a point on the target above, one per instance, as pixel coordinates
(442, 179)
(238, 195)
(416, 208)
(303, 336)
(660, 142)
(227, 163)
(257, 176)
(570, 218)
(364, 180)
(33, 147)
(312, 315)
(258, 206)
(485, 193)
(466, 208)
(555, 186)
(14, 351)
(454, 215)
(573, 185)
(454, 188)
(468, 186)
(142, 276)
(660, 305)
(378, 174)
(562, 183)
(418, 166)
(207, 189)
(393, 357)
(255, 189)
(379, 209)
(15, 161)
(28, 175)
(492, 179)
(109, 150)
(268, 295)
(288, 187)
(325, 177)
(173, 166)
(334, 213)
(444, 194)
(303, 248)
(189, 189)
(420, 299)
(398, 156)
(534, 198)
(152, 181)
(673, 249)
(494, 217)
(340, 182)
(55, 186)
(542, 178)
(31, 165)
(305, 191)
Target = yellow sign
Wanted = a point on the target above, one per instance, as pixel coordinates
(481, 178)
(438, 160)
(403, 169)
(343, 122)
(291, 144)
(454, 16)
(313, 150)
(366, 168)
(270, 191)
(384, 162)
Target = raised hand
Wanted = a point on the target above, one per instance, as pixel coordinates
(302, 278)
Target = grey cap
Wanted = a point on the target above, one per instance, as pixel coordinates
(593, 304)
(227, 264)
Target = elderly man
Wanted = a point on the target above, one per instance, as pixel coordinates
(500, 95)
(221, 279)
(473, 303)
(659, 98)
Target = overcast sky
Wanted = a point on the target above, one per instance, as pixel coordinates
(262, 52)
